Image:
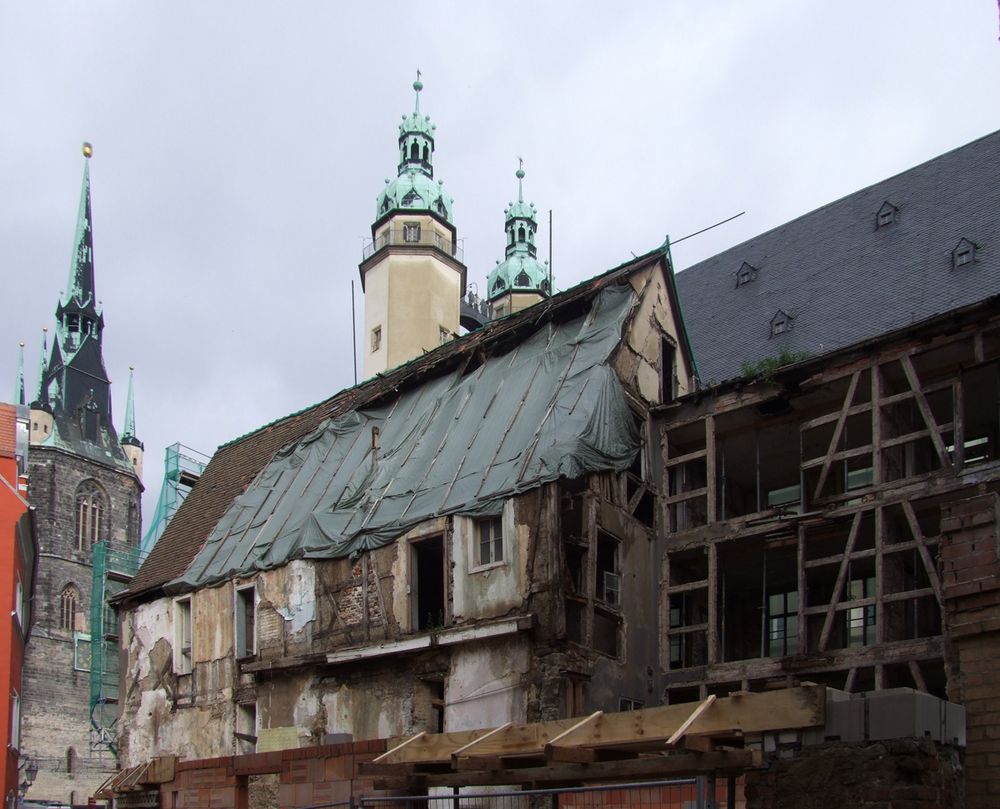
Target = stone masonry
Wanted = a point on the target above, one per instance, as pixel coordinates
(56, 709)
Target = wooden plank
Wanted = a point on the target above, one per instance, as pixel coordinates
(703, 706)
(824, 635)
(880, 528)
(958, 418)
(587, 720)
(925, 556)
(385, 756)
(683, 496)
(474, 742)
(876, 393)
(925, 411)
(837, 433)
(842, 455)
(677, 460)
(803, 589)
(836, 559)
(829, 418)
(674, 589)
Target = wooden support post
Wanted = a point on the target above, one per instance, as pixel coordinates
(711, 499)
(713, 604)
(803, 589)
(838, 431)
(852, 673)
(838, 589)
(925, 411)
(918, 676)
(958, 420)
(876, 424)
(880, 524)
(925, 556)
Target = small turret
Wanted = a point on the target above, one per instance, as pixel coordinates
(133, 446)
(520, 280)
(40, 426)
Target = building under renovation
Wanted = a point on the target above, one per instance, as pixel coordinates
(781, 468)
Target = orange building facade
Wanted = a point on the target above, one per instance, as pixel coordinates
(18, 551)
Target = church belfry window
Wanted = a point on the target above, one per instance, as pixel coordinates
(415, 151)
(91, 516)
(411, 233)
(67, 607)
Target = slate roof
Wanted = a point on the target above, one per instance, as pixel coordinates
(234, 466)
(843, 279)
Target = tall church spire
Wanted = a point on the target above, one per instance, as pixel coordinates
(129, 431)
(19, 389)
(41, 399)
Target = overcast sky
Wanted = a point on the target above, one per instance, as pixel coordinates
(239, 147)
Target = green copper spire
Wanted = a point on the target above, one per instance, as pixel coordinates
(128, 433)
(81, 272)
(19, 390)
(521, 271)
(41, 400)
(414, 188)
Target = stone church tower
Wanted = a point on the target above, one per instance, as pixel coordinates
(84, 484)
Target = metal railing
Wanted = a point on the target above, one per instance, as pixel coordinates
(411, 237)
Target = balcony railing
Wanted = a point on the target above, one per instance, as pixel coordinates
(411, 237)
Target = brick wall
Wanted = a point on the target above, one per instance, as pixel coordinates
(970, 569)
(307, 776)
(56, 707)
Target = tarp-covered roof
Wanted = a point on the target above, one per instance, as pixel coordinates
(549, 407)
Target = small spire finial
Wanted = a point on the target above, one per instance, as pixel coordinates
(417, 86)
(520, 176)
(19, 392)
(129, 431)
(88, 150)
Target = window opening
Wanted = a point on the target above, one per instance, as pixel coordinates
(668, 370)
(19, 600)
(861, 620)
(70, 759)
(489, 535)
(629, 704)
(245, 615)
(183, 657)
(414, 151)
(886, 215)
(745, 274)
(427, 583)
(246, 729)
(376, 339)
(81, 651)
(443, 335)
(15, 720)
(783, 624)
(963, 254)
(90, 516)
(67, 607)
(608, 584)
(411, 232)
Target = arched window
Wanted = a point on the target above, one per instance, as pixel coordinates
(70, 759)
(91, 515)
(67, 607)
(133, 522)
(415, 151)
(426, 154)
(520, 234)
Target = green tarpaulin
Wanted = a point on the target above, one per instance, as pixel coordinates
(459, 444)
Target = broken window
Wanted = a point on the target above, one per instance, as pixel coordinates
(668, 370)
(489, 541)
(861, 620)
(629, 704)
(427, 584)
(245, 614)
(182, 636)
(246, 727)
(607, 587)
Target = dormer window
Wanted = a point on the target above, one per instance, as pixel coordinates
(522, 279)
(498, 284)
(781, 323)
(745, 274)
(963, 254)
(886, 215)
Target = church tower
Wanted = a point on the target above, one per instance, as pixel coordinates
(520, 280)
(412, 272)
(84, 486)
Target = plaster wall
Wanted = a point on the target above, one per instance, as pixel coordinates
(486, 684)
(639, 361)
(493, 590)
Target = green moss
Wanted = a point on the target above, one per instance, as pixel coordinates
(766, 368)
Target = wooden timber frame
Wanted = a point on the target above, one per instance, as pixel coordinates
(875, 438)
(676, 740)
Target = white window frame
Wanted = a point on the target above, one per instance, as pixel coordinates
(183, 654)
(19, 601)
(478, 563)
(248, 647)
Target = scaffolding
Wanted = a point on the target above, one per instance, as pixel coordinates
(182, 468)
(114, 565)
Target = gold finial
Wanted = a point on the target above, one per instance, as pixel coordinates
(21, 343)
(88, 150)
